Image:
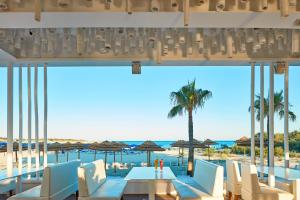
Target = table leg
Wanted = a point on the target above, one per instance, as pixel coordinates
(296, 189)
(151, 188)
(19, 184)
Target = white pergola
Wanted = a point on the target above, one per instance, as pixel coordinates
(196, 33)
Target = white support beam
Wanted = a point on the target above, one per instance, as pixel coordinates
(252, 113)
(36, 118)
(286, 117)
(45, 115)
(10, 119)
(149, 20)
(29, 116)
(262, 113)
(20, 163)
(271, 177)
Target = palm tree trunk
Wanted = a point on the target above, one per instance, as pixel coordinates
(190, 170)
(268, 133)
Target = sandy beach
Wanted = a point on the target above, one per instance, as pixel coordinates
(136, 158)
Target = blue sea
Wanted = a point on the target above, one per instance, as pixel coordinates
(167, 144)
(164, 144)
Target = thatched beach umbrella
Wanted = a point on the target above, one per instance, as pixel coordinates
(79, 146)
(67, 147)
(181, 144)
(16, 149)
(120, 146)
(208, 143)
(56, 147)
(246, 142)
(116, 146)
(94, 146)
(149, 146)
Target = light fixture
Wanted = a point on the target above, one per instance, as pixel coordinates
(174, 4)
(155, 5)
(199, 2)
(220, 5)
(284, 8)
(243, 1)
(297, 22)
(63, 3)
(295, 42)
(136, 67)
(280, 67)
(3, 5)
(264, 4)
(128, 7)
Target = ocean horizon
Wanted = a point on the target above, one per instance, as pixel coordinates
(167, 143)
(162, 143)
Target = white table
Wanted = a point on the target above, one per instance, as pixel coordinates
(291, 175)
(150, 175)
(16, 173)
(280, 172)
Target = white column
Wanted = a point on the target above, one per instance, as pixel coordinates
(45, 115)
(262, 111)
(9, 155)
(271, 177)
(20, 164)
(252, 114)
(29, 116)
(36, 117)
(271, 117)
(286, 117)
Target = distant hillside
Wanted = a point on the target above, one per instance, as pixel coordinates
(3, 139)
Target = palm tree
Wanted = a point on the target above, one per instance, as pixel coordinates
(187, 100)
(278, 108)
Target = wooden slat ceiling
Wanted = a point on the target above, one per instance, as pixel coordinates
(266, 30)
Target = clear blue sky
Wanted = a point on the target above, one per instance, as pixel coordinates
(98, 103)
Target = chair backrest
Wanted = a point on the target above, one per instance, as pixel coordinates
(59, 177)
(250, 183)
(210, 177)
(233, 175)
(90, 177)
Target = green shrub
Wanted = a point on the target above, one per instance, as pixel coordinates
(278, 151)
